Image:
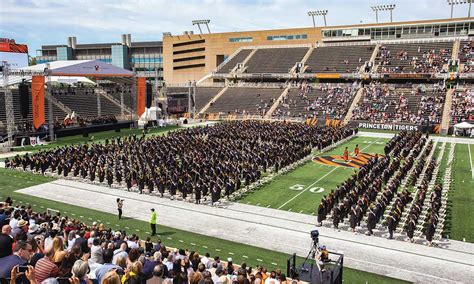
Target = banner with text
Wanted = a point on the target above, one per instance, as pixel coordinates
(37, 100)
(141, 95)
(388, 126)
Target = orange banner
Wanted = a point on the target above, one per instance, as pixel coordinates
(141, 95)
(37, 100)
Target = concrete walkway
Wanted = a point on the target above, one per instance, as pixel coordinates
(277, 230)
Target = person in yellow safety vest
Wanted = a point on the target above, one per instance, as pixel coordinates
(153, 222)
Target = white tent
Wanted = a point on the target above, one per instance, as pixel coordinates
(148, 115)
(464, 125)
(464, 129)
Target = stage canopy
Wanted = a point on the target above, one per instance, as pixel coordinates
(76, 68)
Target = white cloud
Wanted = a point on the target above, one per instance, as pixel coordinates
(38, 22)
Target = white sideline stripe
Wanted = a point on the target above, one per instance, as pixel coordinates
(321, 178)
(470, 160)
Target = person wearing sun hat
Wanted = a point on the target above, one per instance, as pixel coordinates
(33, 230)
(21, 226)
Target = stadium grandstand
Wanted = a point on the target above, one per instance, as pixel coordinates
(303, 155)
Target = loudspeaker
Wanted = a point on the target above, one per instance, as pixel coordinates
(149, 95)
(24, 100)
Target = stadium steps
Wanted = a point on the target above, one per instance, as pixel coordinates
(215, 98)
(247, 59)
(447, 112)
(57, 103)
(229, 64)
(355, 102)
(305, 58)
(277, 102)
(111, 99)
(374, 56)
(456, 48)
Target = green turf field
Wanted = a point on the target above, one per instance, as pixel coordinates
(460, 221)
(12, 180)
(301, 189)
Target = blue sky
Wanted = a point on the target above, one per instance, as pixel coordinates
(38, 22)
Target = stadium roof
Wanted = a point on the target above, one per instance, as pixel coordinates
(75, 68)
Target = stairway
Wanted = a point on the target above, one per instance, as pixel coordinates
(456, 47)
(446, 118)
(277, 102)
(215, 98)
(354, 103)
(248, 58)
(57, 103)
(113, 100)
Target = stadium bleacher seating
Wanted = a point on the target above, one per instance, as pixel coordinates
(238, 58)
(413, 57)
(324, 101)
(338, 59)
(275, 60)
(466, 52)
(245, 100)
(462, 108)
(128, 99)
(383, 105)
(203, 94)
(25, 123)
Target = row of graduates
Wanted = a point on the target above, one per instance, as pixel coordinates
(341, 201)
(395, 215)
(201, 160)
(357, 197)
(417, 208)
(398, 170)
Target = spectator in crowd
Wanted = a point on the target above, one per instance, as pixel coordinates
(21, 255)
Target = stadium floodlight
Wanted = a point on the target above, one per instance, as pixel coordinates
(165, 34)
(378, 8)
(460, 2)
(318, 13)
(202, 22)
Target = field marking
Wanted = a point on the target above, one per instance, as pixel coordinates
(320, 179)
(470, 160)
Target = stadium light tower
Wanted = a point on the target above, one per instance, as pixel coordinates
(378, 8)
(202, 22)
(318, 13)
(460, 2)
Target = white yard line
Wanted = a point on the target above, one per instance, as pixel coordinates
(321, 178)
(470, 160)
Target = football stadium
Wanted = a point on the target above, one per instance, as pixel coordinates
(330, 153)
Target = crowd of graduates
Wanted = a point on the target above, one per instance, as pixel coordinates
(201, 161)
(374, 188)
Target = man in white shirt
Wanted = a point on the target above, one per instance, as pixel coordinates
(122, 251)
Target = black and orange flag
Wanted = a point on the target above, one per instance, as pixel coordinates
(37, 100)
(141, 95)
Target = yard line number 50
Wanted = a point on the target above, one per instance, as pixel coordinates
(299, 187)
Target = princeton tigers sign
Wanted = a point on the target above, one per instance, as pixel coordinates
(338, 161)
